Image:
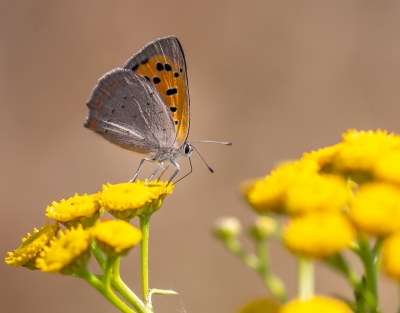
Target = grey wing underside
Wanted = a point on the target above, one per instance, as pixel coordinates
(169, 47)
(129, 111)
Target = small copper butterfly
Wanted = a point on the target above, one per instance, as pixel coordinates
(144, 107)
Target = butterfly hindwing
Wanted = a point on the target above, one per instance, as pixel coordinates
(162, 63)
(128, 111)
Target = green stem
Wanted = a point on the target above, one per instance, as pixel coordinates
(368, 258)
(144, 249)
(106, 292)
(236, 248)
(306, 279)
(99, 256)
(124, 290)
(274, 284)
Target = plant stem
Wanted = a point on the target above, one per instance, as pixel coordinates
(306, 279)
(106, 292)
(274, 284)
(144, 256)
(124, 290)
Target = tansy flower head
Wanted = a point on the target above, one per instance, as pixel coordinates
(264, 227)
(116, 237)
(269, 195)
(391, 255)
(316, 235)
(226, 228)
(25, 254)
(69, 254)
(323, 158)
(375, 209)
(127, 200)
(317, 304)
(387, 168)
(76, 210)
(317, 192)
(260, 306)
(361, 151)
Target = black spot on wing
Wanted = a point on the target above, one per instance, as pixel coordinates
(147, 78)
(159, 66)
(176, 74)
(144, 61)
(168, 67)
(135, 67)
(173, 109)
(171, 91)
(156, 80)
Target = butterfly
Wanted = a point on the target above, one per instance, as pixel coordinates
(144, 106)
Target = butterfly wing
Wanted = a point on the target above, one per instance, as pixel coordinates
(162, 62)
(129, 111)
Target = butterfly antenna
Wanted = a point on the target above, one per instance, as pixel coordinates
(209, 168)
(212, 141)
(191, 170)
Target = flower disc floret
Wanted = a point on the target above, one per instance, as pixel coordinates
(68, 254)
(316, 235)
(317, 304)
(127, 200)
(116, 236)
(25, 254)
(375, 209)
(76, 210)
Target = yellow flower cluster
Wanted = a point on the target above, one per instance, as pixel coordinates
(70, 252)
(334, 193)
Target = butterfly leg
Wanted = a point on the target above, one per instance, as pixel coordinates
(176, 170)
(163, 171)
(139, 168)
(160, 165)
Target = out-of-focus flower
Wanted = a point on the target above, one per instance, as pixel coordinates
(116, 237)
(318, 235)
(260, 306)
(227, 227)
(376, 209)
(317, 304)
(69, 254)
(391, 255)
(25, 255)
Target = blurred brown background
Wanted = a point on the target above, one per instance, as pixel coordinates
(277, 78)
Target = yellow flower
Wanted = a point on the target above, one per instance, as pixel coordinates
(318, 235)
(362, 150)
(69, 254)
(127, 200)
(376, 209)
(260, 306)
(387, 168)
(317, 304)
(391, 255)
(25, 254)
(116, 237)
(269, 195)
(317, 193)
(76, 210)
(323, 158)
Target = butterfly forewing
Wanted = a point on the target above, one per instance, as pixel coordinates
(128, 111)
(162, 63)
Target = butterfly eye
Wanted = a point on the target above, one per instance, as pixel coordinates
(188, 149)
